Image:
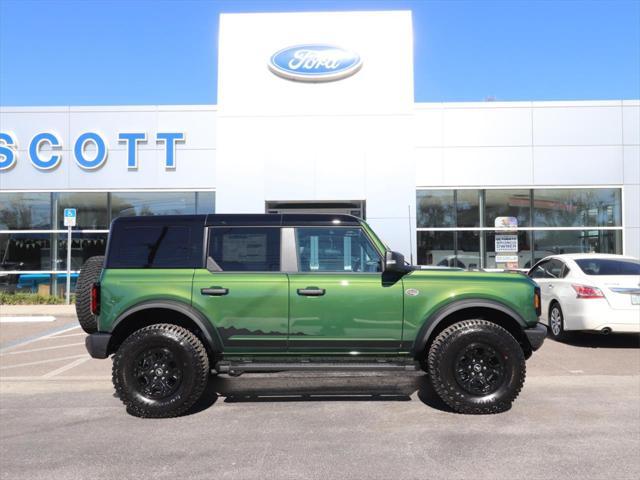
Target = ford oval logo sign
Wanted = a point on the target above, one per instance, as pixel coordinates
(315, 63)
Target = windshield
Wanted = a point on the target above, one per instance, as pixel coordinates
(600, 266)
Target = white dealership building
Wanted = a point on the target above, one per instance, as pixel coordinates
(319, 115)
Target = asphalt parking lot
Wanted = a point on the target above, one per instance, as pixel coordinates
(577, 417)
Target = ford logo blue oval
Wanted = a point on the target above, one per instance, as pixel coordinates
(315, 63)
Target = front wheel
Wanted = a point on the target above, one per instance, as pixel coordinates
(160, 371)
(476, 366)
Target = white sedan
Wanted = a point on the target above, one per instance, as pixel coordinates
(589, 291)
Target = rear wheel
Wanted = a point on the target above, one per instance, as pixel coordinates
(476, 366)
(556, 322)
(89, 274)
(160, 371)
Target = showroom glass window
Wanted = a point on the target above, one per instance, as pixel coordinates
(457, 227)
(577, 207)
(436, 208)
(91, 209)
(25, 211)
(25, 251)
(33, 240)
(508, 203)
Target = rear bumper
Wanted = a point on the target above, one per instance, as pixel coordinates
(98, 344)
(618, 320)
(536, 335)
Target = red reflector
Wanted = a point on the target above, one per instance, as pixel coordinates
(95, 298)
(585, 291)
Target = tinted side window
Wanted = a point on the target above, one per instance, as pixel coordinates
(554, 268)
(539, 271)
(597, 266)
(336, 250)
(244, 249)
(155, 246)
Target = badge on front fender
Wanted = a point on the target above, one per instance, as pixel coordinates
(412, 292)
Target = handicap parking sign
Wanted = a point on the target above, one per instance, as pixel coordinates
(69, 217)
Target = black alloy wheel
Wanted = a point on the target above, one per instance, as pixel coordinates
(157, 372)
(479, 369)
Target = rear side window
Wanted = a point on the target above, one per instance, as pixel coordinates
(609, 267)
(244, 249)
(155, 246)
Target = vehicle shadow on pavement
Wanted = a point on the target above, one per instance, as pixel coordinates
(596, 340)
(319, 388)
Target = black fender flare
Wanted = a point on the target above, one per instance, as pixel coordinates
(209, 332)
(433, 320)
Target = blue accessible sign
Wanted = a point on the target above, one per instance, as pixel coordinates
(69, 217)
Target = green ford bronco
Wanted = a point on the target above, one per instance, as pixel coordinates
(178, 298)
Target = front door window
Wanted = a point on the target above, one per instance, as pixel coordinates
(336, 250)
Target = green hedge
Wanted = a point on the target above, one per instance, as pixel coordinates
(32, 299)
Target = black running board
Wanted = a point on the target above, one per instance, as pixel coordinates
(238, 368)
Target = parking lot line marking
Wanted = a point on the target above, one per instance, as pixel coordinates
(61, 378)
(71, 365)
(65, 336)
(50, 334)
(40, 362)
(42, 349)
(25, 319)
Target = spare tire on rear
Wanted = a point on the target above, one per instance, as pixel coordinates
(89, 274)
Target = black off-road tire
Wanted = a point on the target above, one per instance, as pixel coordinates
(448, 357)
(89, 274)
(130, 371)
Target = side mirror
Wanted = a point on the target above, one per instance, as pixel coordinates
(394, 262)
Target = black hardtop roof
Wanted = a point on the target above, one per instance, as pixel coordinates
(280, 219)
(247, 219)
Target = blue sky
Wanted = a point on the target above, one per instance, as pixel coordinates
(165, 52)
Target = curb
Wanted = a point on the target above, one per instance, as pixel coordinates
(37, 310)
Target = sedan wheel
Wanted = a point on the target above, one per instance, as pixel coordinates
(556, 322)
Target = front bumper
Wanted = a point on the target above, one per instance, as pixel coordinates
(536, 335)
(98, 344)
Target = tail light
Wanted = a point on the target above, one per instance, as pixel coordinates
(585, 291)
(95, 299)
(536, 301)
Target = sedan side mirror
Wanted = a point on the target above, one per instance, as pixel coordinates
(394, 262)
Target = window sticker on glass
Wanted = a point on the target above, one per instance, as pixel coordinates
(250, 247)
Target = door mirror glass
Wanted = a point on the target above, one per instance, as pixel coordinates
(394, 262)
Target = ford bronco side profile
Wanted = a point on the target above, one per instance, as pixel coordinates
(178, 298)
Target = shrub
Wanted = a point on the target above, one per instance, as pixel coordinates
(32, 299)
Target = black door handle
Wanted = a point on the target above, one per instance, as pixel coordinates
(214, 291)
(311, 292)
